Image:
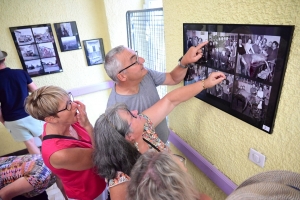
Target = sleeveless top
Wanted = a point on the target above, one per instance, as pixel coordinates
(83, 185)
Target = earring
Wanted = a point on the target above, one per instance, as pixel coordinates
(136, 145)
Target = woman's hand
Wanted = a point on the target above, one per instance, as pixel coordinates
(83, 119)
(81, 115)
(213, 79)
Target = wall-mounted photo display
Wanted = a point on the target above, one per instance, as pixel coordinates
(94, 51)
(36, 48)
(67, 35)
(253, 58)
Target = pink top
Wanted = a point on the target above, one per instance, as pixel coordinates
(83, 185)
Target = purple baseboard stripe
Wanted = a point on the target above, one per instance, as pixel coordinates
(91, 88)
(222, 181)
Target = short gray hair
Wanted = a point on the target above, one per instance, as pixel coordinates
(156, 175)
(112, 65)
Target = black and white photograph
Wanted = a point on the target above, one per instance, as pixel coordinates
(253, 59)
(46, 50)
(42, 35)
(68, 36)
(94, 51)
(251, 98)
(29, 52)
(257, 55)
(222, 51)
(195, 72)
(24, 36)
(194, 38)
(50, 64)
(65, 29)
(34, 43)
(224, 89)
(70, 43)
(34, 67)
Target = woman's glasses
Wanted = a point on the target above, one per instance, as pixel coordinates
(69, 103)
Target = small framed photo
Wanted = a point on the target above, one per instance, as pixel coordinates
(68, 36)
(94, 51)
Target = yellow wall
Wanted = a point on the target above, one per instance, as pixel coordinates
(116, 19)
(92, 20)
(221, 138)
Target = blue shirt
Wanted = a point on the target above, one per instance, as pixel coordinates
(13, 91)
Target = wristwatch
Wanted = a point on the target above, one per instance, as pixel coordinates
(179, 63)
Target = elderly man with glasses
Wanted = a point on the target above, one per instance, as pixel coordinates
(136, 86)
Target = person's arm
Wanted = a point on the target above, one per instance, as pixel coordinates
(118, 192)
(75, 159)
(83, 120)
(163, 107)
(18, 187)
(61, 187)
(178, 73)
(31, 87)
(1, 117)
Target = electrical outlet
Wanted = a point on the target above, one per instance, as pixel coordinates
(257, 157)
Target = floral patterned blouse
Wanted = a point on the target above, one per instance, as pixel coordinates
(153, 141)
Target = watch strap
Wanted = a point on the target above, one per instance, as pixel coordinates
(179, 63)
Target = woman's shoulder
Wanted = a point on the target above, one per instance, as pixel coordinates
(120, 178)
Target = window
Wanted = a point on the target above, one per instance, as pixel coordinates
(145, 32)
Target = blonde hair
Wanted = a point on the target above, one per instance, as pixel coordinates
(44, 102)
(157, 176)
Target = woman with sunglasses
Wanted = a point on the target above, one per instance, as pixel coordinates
(67, 146)
(121, 136)
(161, 176)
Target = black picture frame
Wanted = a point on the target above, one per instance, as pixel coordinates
(67, 36)
(36, 48)
(94, 51)
(254, 60)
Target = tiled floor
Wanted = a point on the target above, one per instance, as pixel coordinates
(54, 193)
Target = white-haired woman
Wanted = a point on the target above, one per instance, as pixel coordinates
(160, 175)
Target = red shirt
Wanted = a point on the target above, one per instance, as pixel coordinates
(83, 185)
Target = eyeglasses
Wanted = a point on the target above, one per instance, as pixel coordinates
(181, 158)
(69, 103)
(113, 126)
(137, 61)
(131, 113)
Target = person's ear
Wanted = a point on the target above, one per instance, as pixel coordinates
(122, 77)
(50, 119)
(130, 137)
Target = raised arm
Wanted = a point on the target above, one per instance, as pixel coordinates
(83, 120)
(163, 107)
(178, 73)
